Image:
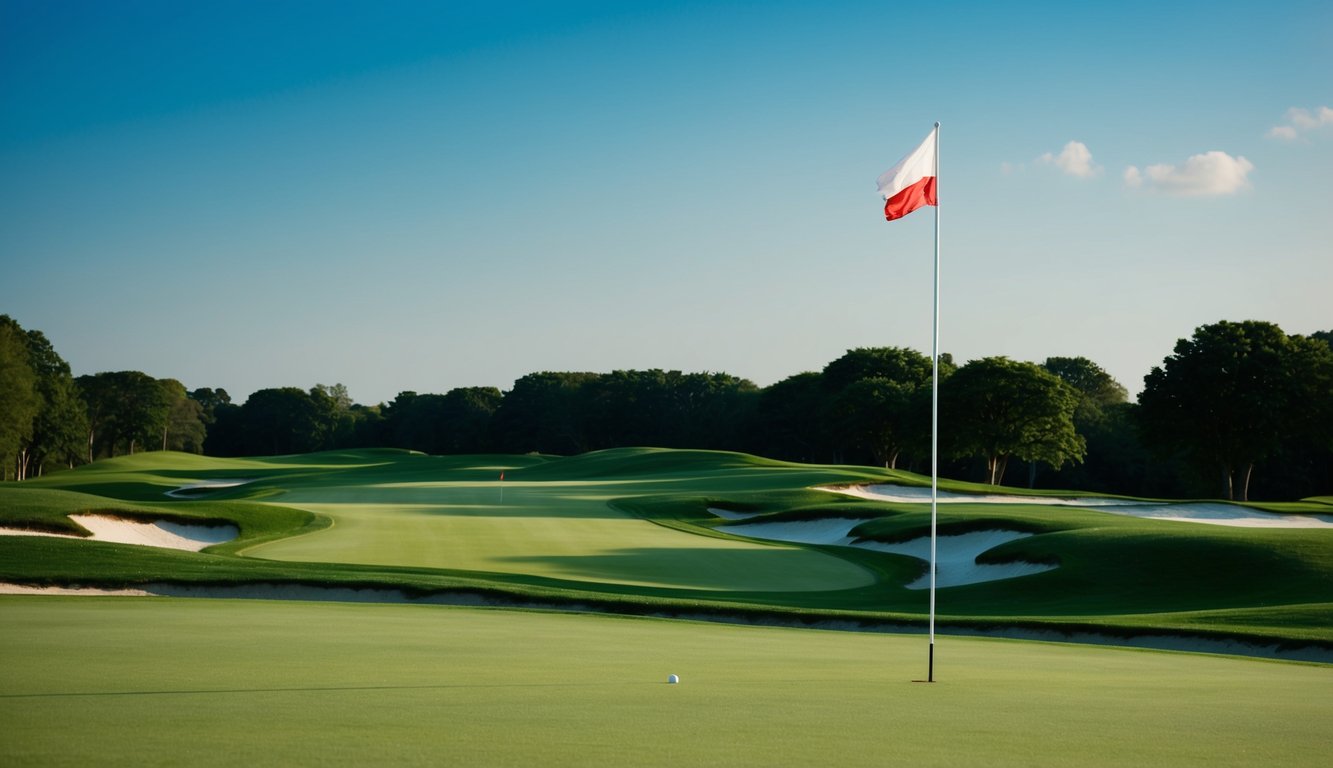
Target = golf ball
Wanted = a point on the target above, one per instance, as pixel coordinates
(672, 679)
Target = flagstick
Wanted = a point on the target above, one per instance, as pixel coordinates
(934, 412)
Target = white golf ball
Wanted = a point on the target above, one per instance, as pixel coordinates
(672, 679)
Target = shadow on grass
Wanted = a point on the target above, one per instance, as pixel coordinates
(768, 569)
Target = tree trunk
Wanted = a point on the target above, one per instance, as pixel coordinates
(1245, 484)
(1226, 482)
(991, 463)
(1032, 474)
(90, 446)
(1004, 464)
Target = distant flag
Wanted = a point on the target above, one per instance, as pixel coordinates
(911, 183)
(502, 476)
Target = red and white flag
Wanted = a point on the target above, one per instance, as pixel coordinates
(911, 183)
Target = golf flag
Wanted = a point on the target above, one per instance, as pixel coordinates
(911, 183)
(502, 477)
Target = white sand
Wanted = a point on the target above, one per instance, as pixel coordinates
(161, 533)
(955, 556)
(912, 495)
(1209, 513)
(24, 589)
(183, 492)
(731, 514)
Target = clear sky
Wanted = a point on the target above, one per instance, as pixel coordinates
(421, 196)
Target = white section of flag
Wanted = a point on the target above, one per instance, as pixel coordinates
(915, 166)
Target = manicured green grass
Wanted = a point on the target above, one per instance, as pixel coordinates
(630, 530)
(452, 513)
(129, 681)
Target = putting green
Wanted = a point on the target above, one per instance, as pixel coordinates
(555, 529)
(132, 681)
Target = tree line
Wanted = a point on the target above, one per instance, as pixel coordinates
(1238, 408)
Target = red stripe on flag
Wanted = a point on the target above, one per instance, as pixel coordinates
(917, 195)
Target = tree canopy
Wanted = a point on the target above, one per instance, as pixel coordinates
(1242, 398)
(999, 409)
(880, 401)
(1231, 394)
(19, 403)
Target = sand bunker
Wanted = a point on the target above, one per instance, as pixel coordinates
(24, 589)
(162, 533)
(955, 556)
(193, 489)
(1209, 513)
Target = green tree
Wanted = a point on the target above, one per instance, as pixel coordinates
(1233, 393)
(541, 413)
(282, 420)
(58, 428)
(892, 363)
(336, 422)
(788, 419)
(456, 422)
(210, 400)
(997, 409)
(1097, 389)
(183, 426)
(1100, 419)
(125, 409)
(878, 399)
(19, 401)
(711, 410)
(336, 394)
(466, 414)
(875, 414)
(58, 431)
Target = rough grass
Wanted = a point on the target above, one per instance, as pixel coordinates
(129, 681)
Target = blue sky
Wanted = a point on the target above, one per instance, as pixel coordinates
(420, 196)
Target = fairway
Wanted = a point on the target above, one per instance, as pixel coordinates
(563, 530)
(93, 681)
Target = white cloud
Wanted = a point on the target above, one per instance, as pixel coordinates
(1300, 121)
(1207, 175)
(1074, 159)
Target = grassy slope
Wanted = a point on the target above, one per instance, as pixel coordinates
(253, 682)
(583, 528)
